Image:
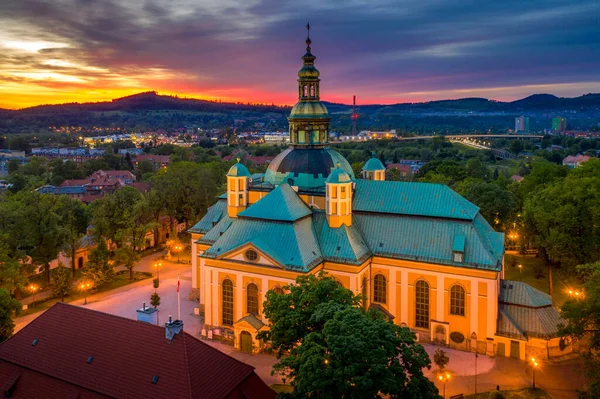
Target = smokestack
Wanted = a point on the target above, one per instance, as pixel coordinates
(173, 328)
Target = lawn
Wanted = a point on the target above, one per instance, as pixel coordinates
(526, 393)
(120, 280)
(561, 279)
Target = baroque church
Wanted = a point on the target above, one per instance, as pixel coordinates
(419, 252)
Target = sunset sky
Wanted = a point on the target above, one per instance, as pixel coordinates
(383, 51)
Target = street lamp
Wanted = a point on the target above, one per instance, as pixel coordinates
(84, 287)
(444, 378)
(178, 248)
(157, 266)
(33, 289)
(534, 365)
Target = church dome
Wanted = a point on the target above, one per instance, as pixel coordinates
(338, 175)
(373, 164)
(308, 71)
(307, 168)
(308, 108)
(238, 170)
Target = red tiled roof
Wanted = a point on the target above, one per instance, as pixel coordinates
(127, 354)
(402, 168)
(142, 187)
(516, 178)
(576, 159)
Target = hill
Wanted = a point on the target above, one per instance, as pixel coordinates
(150, 110)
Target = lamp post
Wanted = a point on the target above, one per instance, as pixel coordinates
(33, 289)
(178, 248)
(476, 356)
(84, 287)
(534, 365)
(157, 266)
(444, 378)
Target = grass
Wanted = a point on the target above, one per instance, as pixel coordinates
(562, 280)
(120, 280)
(526, 393)
(282, 388)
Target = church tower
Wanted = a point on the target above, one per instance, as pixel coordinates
(373, 169)
(309, 120)
(338, 206)
(237, 189)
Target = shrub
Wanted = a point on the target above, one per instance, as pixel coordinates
(440, 358)
(155, 300)
(457, 337)
(496, 395)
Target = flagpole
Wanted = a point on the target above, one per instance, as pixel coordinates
(178, 300)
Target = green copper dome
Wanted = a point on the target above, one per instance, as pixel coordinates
(308, 71)
(238, 170)
(373, 164)
(308, 109)
(338, 175)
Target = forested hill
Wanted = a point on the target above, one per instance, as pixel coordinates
(152, 111)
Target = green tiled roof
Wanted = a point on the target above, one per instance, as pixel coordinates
(280, 204)
(373, 164)
(338, 175)
(426, 240)
(213, 215)
(419, 199)
(216, 232)
(519, 293)
(291, 244)
(254, 321)
(238, 170)
(342, 245)
(526, 312)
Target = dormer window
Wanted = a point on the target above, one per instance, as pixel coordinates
(458, 249)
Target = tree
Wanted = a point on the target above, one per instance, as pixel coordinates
(113, 215)
(440, 358)
(516, 146)
(582, 318)
(8, 305)
(129, 257)
(330, 348)
(74, 226)
(62, 283)
(495, 203)
(99, 270)
(477, 169)
(155, 300)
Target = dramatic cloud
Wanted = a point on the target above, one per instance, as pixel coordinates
(249, 50)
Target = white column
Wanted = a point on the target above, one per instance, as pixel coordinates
(404, 297)
(202, 280)
(393, 295)
(207, 300)
(474, 307)
(194, 263)
(239, 291)
(440, 298)
(214, 293)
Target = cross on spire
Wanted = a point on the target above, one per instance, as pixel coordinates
(308, 36)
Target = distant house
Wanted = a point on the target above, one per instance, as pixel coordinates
(516, 178)
(575, 161)
(73, 352)
(404, 169)
(159, 161)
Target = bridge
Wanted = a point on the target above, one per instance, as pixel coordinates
(345, 139)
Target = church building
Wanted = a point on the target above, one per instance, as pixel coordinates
(419, 252)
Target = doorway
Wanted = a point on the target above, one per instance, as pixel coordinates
(515, 349)
(79, 262)
(246, 342)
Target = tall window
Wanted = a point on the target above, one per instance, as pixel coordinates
(457, 300)
(380, 289)
(227, 303)
(422, 304)
(252, 298)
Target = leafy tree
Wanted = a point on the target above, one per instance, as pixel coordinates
(516, 146)
(477, 169)
(74, 225)
(155, 300)
(99, 269)
(129, 257)
(8, 305)
(494, 202)
(582, 318)
(329, 347)
(113, 215)
(440, 358)
(62, 283)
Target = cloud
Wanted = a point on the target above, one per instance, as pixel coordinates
(381, 50)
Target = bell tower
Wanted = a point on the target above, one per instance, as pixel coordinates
(309, 119)
(237, 189)
(338, 198)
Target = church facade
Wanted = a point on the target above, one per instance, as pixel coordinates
(418, 252)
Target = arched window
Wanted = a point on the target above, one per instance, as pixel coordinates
(305, 91)
(252, 298)
(457, 300)
(278, 290)
(227, 302)
(422, 304)
(312, 91)
(380, 289)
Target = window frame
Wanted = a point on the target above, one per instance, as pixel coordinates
(380, 284)
(252, 289)
(458, 301)
(422, 304)
(227, 302)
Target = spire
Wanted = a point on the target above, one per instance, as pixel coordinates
(308, 42)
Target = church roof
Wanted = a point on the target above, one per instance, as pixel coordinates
(407, 198)
(213, 215)
(278, 225)
(238, 170)
(280, 204)
(373, 164)
(338, 175)
(519, 293)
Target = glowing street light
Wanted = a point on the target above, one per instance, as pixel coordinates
(534, 365)
(157, 266)
(85, 287)
(33, 288)
(444, 378)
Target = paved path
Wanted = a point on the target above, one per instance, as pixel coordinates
(559, 378)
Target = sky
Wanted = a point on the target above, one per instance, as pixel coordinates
(382, 51)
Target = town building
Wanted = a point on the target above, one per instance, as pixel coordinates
(559, 124)
(419, 252)
(521, 124)
(73, 352)
(575, 161)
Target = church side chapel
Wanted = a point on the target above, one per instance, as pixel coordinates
(419, 252)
